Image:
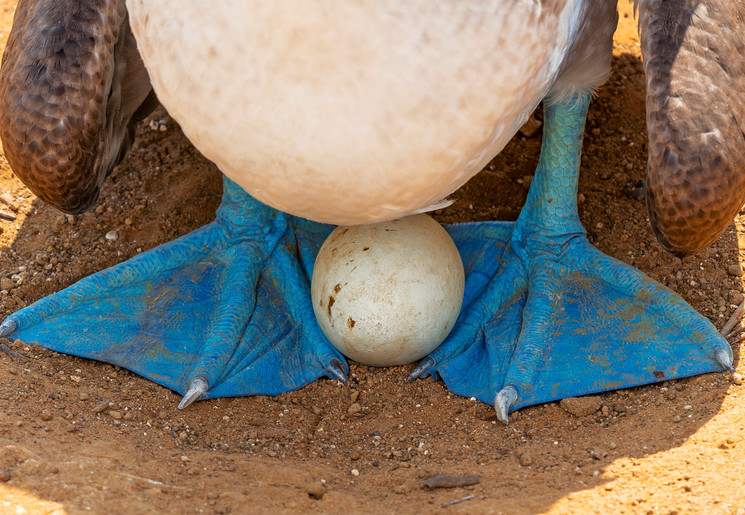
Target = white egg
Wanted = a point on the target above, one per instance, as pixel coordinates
(389, 293)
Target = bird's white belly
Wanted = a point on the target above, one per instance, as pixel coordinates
(351, 112)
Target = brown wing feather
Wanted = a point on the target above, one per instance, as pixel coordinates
(694, 59)
(70, 83)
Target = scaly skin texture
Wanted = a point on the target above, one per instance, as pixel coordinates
(70, 83)
(694, 59)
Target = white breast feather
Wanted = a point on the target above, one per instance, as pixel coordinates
(351, 112)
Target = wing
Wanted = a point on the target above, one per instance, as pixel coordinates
(70, 84)
(694, 60)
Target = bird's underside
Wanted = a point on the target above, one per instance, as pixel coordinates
(371, 119)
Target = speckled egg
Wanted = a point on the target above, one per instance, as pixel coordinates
(389, 293)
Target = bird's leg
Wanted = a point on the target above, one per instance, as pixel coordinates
(224, 310)
(552, 316)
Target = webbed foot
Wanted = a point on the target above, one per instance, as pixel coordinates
(222, 311)
(546, 315)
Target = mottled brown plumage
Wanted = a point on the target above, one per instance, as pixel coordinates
(71, 82)
(694, 60)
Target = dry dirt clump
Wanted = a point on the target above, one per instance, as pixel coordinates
(77, 435)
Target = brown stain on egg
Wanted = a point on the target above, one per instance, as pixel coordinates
(331, 303)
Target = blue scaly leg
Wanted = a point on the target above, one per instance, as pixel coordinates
(549, 316)
(224, 310)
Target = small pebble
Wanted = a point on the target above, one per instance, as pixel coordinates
(355, 472)
(737, 378)
(5, 475)
(6, 198)
(158, 125)
(445, 481)
(111, 236)
(354, 408)
(526, 459)
(46, 415)
(581, 406)
(100, 407)
(531, 127)
(677, 418)
(115, 414)
(735, 270)
(316, 489)
(83, 396)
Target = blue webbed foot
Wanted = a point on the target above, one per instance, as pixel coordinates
(222, 311)
(546, 315)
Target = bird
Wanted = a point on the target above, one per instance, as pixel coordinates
(321, 113)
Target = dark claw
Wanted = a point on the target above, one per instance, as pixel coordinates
(7, 328)
(502, 402)
(422, 368)
(725, 359)
(336, 370)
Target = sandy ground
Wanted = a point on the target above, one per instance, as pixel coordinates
(77, 435)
